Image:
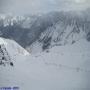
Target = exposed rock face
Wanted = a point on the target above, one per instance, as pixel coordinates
(4, 56)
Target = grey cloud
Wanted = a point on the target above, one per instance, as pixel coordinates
(34, 6)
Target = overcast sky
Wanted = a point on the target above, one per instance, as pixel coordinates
(35, 6)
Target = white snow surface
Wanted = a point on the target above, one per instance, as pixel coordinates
(62, 68)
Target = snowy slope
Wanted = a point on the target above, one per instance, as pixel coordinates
(62, 68)
(59, 34)
(13, 47)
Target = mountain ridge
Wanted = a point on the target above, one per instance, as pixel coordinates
(54, 26)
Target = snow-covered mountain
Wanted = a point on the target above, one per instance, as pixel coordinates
(66, 66)
(11, 20)
(66, 28)
(54, 28)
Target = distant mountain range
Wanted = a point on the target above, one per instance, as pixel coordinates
(46, 30)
